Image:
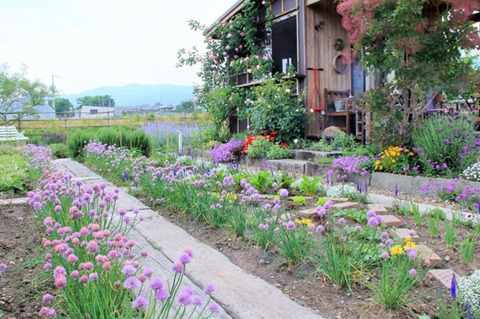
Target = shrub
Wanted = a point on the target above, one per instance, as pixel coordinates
(343, 142)
(60, 150)
(140, 141)
(446, 145)
(277, 152)
(228, 152)
(258, 148)
(322, 145)
(77, 142)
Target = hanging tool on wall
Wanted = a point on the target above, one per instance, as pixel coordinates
(315, 101)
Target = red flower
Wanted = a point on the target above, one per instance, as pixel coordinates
(274, 133)
(283, 144)
(264, 131)
(272, 138)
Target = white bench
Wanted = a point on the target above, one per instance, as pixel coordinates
(10, 134)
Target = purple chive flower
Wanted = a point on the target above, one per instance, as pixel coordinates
(320, 229)
(283, 192)
(47, 298)
(372, 222)
(214, 308)
(184, 298)
(413, 272)
(156, 284)
(140, 303)
(291, 225)
(185, 258)
(132, 283)
(162, 295)
(177, 267)
(197, 301)
(385, 255)
(341, 221)
(209, 288)
(453, 287)
(128, 270)
(357, 229)
(412, 254)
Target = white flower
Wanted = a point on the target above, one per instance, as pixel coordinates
(295, 141)
(287, 90)
(311, 111)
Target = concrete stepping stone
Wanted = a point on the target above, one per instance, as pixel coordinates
(391, 220)
(443, 276)
(338, 199)
(306, 213)
(14, 201)
(346, 205)
(403, 233)
(425, 252)
(377, 208)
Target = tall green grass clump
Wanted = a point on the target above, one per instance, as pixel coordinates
(77, 141)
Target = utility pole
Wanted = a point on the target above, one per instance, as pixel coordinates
(53, 92)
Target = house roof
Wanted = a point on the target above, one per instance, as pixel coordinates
(228, 14)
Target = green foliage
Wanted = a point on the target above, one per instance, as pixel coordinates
(344, 142)
(321, 201)
(12, 173)
(18, 94)
(446, 144)
(132, 139)
(259, 148)
(185, 106)
(309, 186)
(277, 152)
(424, 54)
(98, 100)
(283, 180)
(300, 200)
(63, 108)
(322, 145)
(325, 160)
(77, 141)
(261, 181)
(60, 150)
(141, 142)
(275, 109)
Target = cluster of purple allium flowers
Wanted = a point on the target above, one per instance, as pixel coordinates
(53, 138)
(350, 164)
(229, 152)
(446, 144)
(40, 157)
(455, 191)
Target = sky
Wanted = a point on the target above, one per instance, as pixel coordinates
(87, 44)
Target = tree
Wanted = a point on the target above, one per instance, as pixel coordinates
(98, 100)
(420, 42)
(185, 106)
(63, 107)
(18, 95)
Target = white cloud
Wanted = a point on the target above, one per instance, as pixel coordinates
(92, 43)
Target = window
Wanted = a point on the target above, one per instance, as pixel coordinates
(284, 44)
(93, 111)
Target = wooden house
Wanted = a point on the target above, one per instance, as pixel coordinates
(308, 35)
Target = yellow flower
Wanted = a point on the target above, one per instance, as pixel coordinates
(307, 222)
(396, 250)
(377, 164)
(409, 244)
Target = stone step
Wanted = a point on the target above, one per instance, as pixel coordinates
(443, 276)
(377, 208)
(306, 213)
(307, 155)
(346, 205)
(14, 201)
(391, 221)
(402, 233)
(289, 165)
(426, 253)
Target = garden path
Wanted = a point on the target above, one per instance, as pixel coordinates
(241, 295)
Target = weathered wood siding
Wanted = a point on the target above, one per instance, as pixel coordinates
(321, 52)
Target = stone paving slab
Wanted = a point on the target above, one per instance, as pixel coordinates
(425, 252)
(377, 208)
(14, 201)
(346, 205)
(443, 276)
(306, 213)
(391, 220)
(403, 233)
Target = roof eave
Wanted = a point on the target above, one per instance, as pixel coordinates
(224, 17)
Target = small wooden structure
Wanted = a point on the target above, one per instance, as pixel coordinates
(308, 35)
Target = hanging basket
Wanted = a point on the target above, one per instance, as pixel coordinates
(340, 105)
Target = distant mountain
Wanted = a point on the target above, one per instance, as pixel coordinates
(139, 94)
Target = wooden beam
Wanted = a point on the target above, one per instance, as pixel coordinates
(312, 2)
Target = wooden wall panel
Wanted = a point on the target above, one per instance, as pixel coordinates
(320, 52)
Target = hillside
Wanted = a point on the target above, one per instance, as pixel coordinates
(139, 94)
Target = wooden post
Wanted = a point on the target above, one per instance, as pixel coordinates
(19, 122)
(108, 119)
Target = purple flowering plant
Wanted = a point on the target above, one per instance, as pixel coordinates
(229, 152)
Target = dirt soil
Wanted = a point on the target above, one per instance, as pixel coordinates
(309, 288)
(22, 285)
